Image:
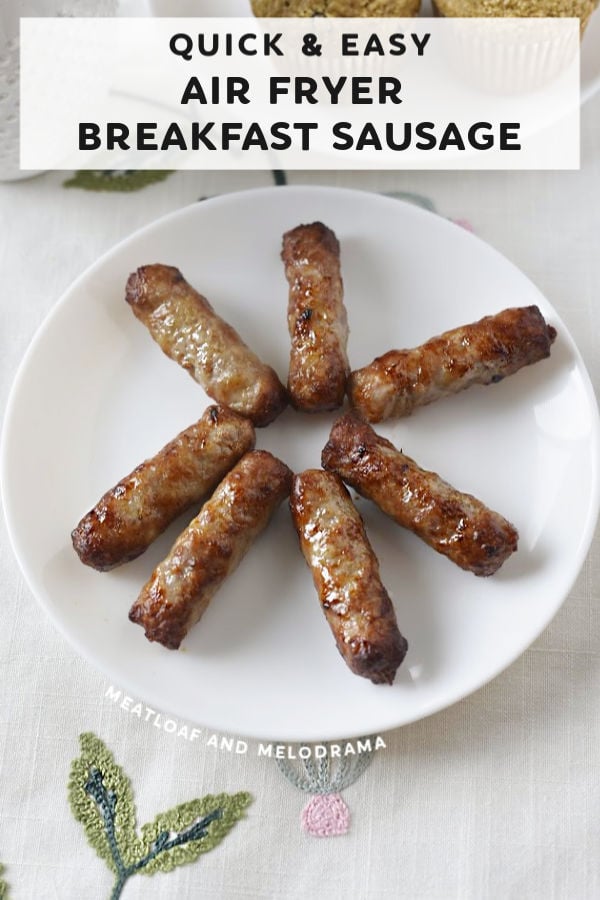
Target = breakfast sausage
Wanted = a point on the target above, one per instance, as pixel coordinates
(132, 514)
(482, 353)
(455, 524)
(317, 320)
(211, 547)
(345, 571)
(189, 331)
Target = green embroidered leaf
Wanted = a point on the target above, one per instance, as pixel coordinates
(125, 180)
(180, 835)
(101, 798)
(3, 885)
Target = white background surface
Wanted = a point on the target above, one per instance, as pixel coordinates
(497, 797)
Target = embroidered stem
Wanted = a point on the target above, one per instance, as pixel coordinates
(350, 770)
(118, 887)
(101, 798)
(319, 779)
(106, 803)
(162, 843)
(279, 177)
(323, 775)
(339, 779)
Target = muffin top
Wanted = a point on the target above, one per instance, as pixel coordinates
(308, 8)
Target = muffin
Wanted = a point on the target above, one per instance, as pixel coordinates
(352, 8)
(472, 9)
(512, 55)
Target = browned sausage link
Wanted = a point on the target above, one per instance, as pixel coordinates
(189, 331)
(455, 524)
(317, 319)
(211, 547)
(345, 571)
(132, 514)
(482, 353)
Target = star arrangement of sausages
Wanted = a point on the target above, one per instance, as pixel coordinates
(215, 458)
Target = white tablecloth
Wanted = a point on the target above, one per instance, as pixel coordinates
(497, 797)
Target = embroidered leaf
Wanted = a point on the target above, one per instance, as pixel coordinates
(180, 835)
(125, 180)
(3, 885)
(102, 800)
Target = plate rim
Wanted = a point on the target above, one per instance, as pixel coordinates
(91, 657)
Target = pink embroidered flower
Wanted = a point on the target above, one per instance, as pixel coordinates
(325, 815)
(464, 223)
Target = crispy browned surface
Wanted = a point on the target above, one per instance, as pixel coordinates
(455, 524)
(345, 571)
(317, 319)
(188, 330)
(481, 353)
(211, 547)
(132, 514)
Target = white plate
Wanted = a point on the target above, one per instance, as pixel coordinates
(95, 395)
(590, 47)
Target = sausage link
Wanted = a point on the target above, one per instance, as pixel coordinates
(484, 352)
(211, 547)
(132, 514)
(188, 330)
(317, 320)
(455, 524)
(345, 571)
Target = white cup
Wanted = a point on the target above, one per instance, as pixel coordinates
(10, 13)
